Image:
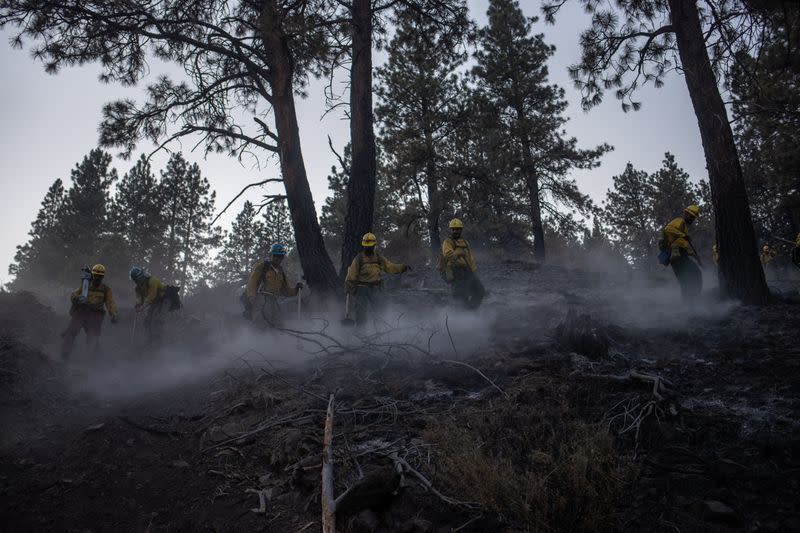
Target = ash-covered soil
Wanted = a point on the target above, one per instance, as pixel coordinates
(572, 401)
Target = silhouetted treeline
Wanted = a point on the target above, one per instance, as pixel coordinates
(162, 224)
(482, 139)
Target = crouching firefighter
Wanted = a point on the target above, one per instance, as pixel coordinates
(677, 251)
(458, 267)
(89, 303)
(151, 295)
(364, 282)
(267, 283)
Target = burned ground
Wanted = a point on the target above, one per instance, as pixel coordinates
(570, 402)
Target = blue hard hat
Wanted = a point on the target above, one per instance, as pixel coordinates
(137, 273)
(277, 249)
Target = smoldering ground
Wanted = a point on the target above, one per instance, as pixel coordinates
(530, 419)
(524, 305)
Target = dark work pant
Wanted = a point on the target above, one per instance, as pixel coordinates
(90, 321)
(467, 288)
(689, 276)
(367, 298)
(154, 321)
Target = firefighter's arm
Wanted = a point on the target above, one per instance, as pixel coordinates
(449, 251)
(153, 288)
(111, 304)
(470, 259)
(139, 299)
(75, 296)
(352, 274)
(392, 268)
(252, 283)
(677, 237)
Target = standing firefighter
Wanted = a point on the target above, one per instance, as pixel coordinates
(767, 255)
(768, 261)
(150, 295)
(458, 267)
(268, 281)
(89, 303)
(676, 246)
(364, 283)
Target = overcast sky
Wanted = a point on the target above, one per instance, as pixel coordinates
(50, 122)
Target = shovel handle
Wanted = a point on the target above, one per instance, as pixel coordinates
(696, 255)
(299, 302)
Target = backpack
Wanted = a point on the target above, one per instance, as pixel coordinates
(172, 296)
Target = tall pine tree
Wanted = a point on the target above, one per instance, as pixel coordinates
(188, 208)
(418, 108)
(241, 247)
(526, 114)
(276, 228)
(136, 212)
(45, 251)
(84, 216)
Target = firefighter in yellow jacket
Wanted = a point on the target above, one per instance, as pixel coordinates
(88, 311)
(458, 267)
(364, 280)
(150, 295)
(268, 281)
(676, 241)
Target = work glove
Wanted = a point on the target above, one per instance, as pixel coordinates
(448, 275)
(299, 286)
(407, 268)
(114, 319)
(139, 307)
(675, 254)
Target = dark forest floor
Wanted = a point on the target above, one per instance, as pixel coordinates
(552, 424)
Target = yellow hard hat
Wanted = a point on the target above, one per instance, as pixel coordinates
(455, 224)
(714, 248)
(369, 240)
(99, 270)
(692, 210)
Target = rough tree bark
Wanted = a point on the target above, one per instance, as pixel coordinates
(741, 275)
(361, 187)
(532, 183)
(317, 267)
(536, 218)
(434, 198)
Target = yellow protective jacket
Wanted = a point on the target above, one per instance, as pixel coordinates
(150, 291)
(271, 279)
(458, 254)
(797, 241)
(675, 235)
(366, 269)
(97, 298)
(768, 256)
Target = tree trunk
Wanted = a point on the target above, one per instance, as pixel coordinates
(317, 266)
(432, 184)
(536, 218)
(361, 187)
(741, 275)
(187, 247)
(434, 209)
